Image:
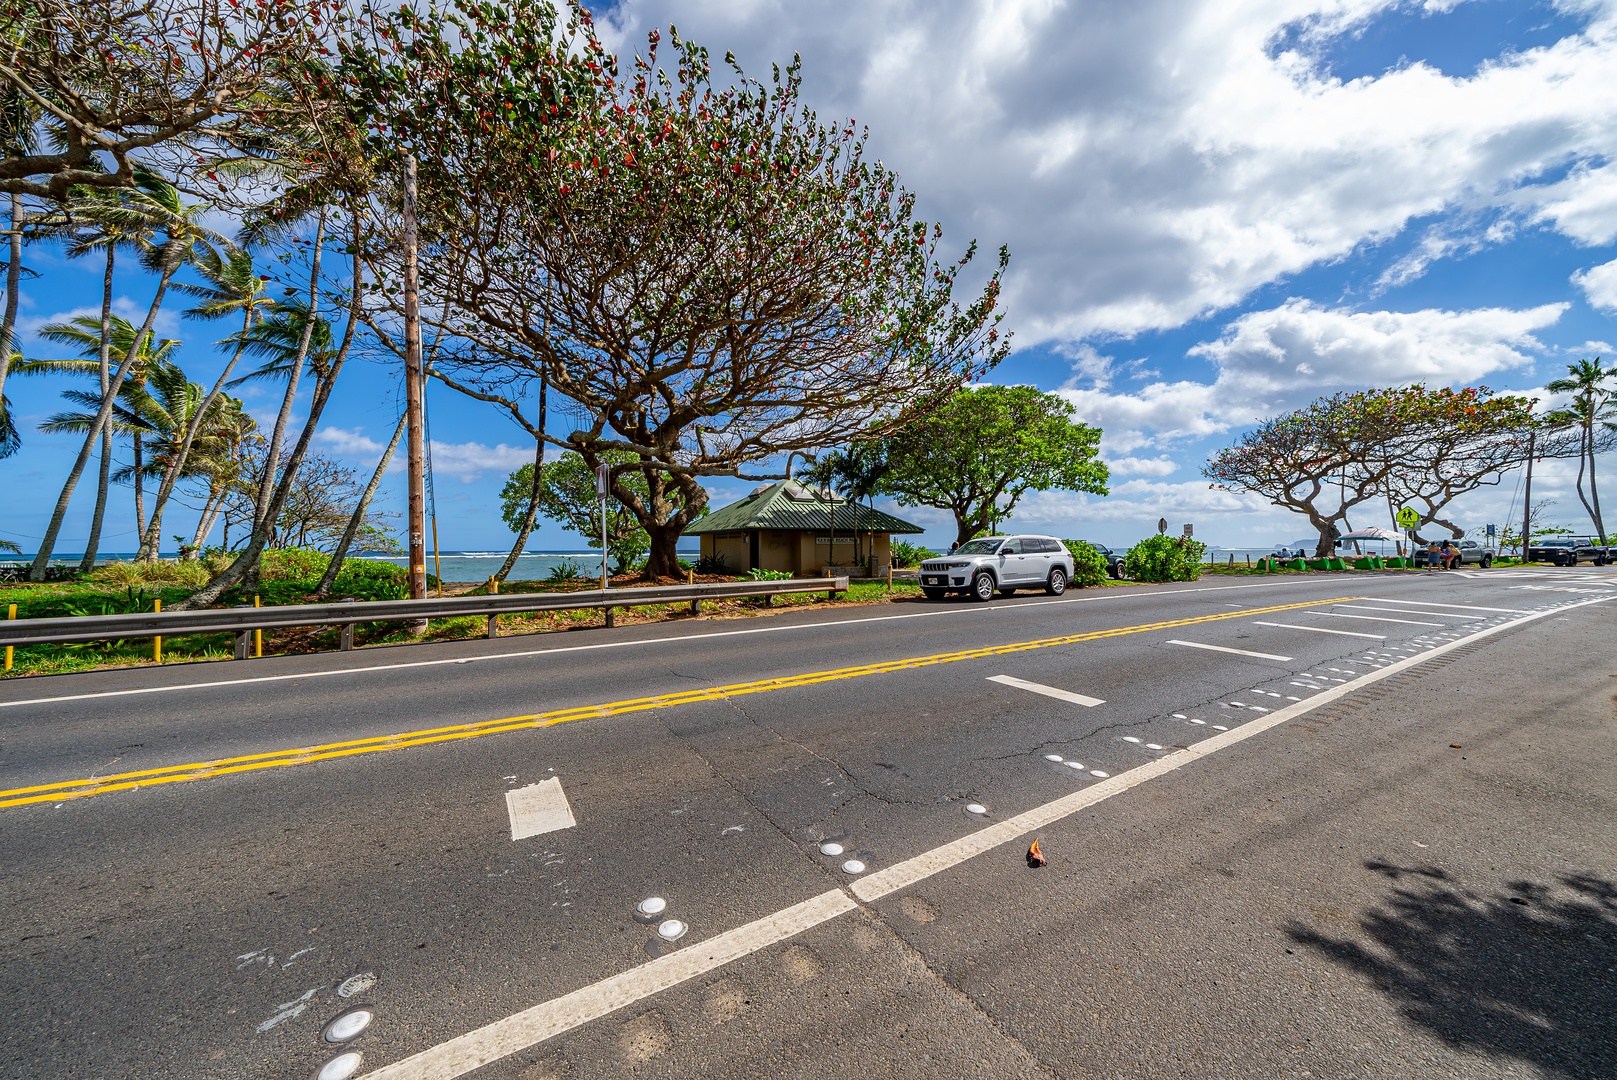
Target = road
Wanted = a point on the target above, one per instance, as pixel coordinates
(1352, 825)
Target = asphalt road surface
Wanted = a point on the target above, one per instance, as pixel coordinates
(1355, 825)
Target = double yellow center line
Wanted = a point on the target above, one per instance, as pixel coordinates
(205, 770)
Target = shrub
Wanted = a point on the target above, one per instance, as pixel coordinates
(1165, 558)
(567, 571)
(293, 564)
(758, 574)
(130, 574)
(370, 579)
(712, 564)
(1088, 565)
(906, 555)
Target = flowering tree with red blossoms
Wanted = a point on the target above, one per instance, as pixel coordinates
(709, 274)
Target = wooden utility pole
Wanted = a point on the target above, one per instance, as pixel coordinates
(1527, 497)
(417, 448)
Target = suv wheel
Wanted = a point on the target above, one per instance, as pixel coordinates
(982, 587)
(1572, 560)
(1057, 583)
(1487, 561)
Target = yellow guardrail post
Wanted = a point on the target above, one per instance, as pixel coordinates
(11, 613)
(157, 642)
(258, 636)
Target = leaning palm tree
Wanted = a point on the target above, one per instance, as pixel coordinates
(231, 286)
(176, 417)
(288, 339)
(1594, 405)
(221, 460)
(184, 237)
(85, 332)
(96, 221)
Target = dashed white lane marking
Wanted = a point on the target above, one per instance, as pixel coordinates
(1461, 607)
(1225, 648)
(1048, 691)
(471, 1051)
(1411, 611)
(1320, 630)
(1372, 618)
(538, 808)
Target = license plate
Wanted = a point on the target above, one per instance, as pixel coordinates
(933, 580)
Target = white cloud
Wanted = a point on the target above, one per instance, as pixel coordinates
(1274, 360)
(1599, 284)
(1151, 162)
(166, 325)
(1133, 466)
(348, 442)
(470, 460)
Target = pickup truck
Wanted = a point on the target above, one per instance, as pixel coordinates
(1569, 551)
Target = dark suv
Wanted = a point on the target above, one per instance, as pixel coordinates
(1569, 551)
(1114, 560)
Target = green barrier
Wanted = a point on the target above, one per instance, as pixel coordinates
(1319, 564)
(1297, 564)
(1364, 564)
(1376, 563)
(1335, 564)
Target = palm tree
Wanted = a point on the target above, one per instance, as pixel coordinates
(221, 458)
(98, 220)
(1594, 404)
(184, 238)
(286, 339)
(86, 333)
(230, 287)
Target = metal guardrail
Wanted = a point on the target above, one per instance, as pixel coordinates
(242, 621)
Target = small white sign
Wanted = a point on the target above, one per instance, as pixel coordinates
(538, 808)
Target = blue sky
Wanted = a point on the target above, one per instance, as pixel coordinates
(1215, 212)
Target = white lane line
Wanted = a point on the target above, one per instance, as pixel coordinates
(1373, 618)
(484, 658)
(538, 808)
(1321, 630)
(1407, 611)
(1462, 607)
(1225, 648)
(1048, 691)
(473, 1050)
(903, 874)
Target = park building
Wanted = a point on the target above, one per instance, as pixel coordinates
(795, 528)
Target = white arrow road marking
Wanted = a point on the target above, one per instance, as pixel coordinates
(538, 808)
(1225, 648)
(1048, 691)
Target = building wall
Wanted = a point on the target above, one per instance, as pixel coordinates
(779, 551)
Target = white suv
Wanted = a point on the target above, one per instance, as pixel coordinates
(1002, 564)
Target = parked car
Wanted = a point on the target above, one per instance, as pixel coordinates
(1473, 552)
(1002, 564)
(1569, 551)
(1114, 559)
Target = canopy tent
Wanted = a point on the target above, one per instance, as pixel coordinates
(1371, 534)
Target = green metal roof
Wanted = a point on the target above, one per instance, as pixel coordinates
(788, 506)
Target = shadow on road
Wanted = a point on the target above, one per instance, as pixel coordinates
(1529, 972)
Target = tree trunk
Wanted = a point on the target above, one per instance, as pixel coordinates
(140, 502)
(663, 559)
(247, 561)
(533, 493)
(42, 559)
(171, 472)
(210, 513)
(8, 322)
(267, 483)
(358, 516)
(92, 546)
(1594, 492)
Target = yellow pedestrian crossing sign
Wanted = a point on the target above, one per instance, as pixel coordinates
(1407, 518)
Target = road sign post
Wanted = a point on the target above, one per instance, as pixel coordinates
(603, 483)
